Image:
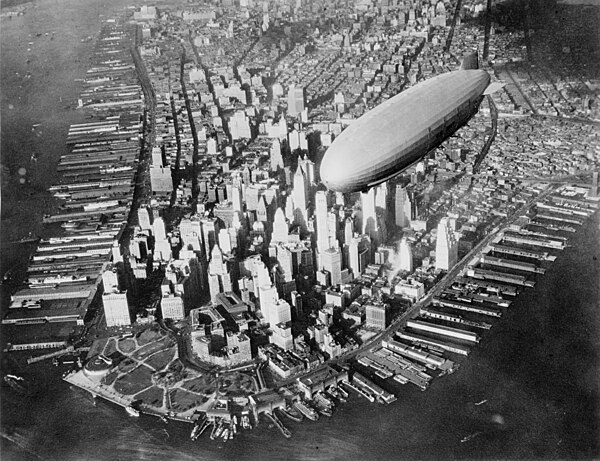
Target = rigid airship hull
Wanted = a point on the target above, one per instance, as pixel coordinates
(387, 139)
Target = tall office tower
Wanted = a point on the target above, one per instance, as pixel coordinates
(332, 227)
(403, 207)
(159, 230)
(277, 312)
(369, 215)
(191, 233)
(144, 218)
(171, 307)
(376, 316)
(299, 198)
(446, 247)
(267, 294)
(381, 192)
(359, 254)
(405, 255)
(217, 266)
(225, 241)
(282, 336)
(297, 304)
(280, 228)
(321, 221)
(237, 201)
(348, 231)
(308, 167)
(210, 231)
(295, 100)
(331, 261)
(286, 264)
(275, 156)
(116, 309)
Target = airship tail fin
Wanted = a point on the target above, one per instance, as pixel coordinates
(470, 61)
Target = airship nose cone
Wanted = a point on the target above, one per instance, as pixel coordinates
(332, 173)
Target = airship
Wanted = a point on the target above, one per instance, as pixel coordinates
(390, 137)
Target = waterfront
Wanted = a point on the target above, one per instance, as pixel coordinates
(542, 399)
(537, 368)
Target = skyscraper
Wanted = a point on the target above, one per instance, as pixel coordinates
(275, 156)
(446, 248)
(369, 215)
(376, 316)
(331, 261)
(405, 256)
(403, 207)
(321, 221)
(299, 198)
(280, 228)
(116, 309)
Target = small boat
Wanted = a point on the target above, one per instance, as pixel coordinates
(18, 383)
(470, 437)
(481, 403)
(132, 411)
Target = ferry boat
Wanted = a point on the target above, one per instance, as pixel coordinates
(307, 411)
(132, 411)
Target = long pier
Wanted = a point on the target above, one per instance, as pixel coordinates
(437, 301)
(500, 262)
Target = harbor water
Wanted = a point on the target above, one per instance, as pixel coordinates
(528, 390)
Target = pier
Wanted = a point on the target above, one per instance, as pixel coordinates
(510, 264)
(437, 301)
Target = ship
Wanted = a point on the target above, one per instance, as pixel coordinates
(306, 410)
(132, 411)
(322, 408)
(292, 413)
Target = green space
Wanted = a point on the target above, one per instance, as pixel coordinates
(135, 381)
(161, 359)
(201, 385)
(152, 396)
(127, 365)
(127, 345)
(153, 347)
(110, 378)
(149, 335)
(182, 400)
(110, 347)
(236, 384)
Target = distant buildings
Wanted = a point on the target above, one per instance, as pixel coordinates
(295, 100)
